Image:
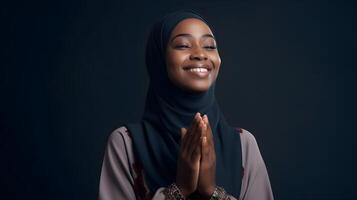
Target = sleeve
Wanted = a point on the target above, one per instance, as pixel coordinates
(116, 181)
(159, 195)
(255, 182)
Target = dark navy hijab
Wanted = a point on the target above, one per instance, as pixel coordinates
(156, 139)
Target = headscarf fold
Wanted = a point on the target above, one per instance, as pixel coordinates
(156, 138)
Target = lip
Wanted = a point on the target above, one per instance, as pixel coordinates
(187, 67)
(198, 74)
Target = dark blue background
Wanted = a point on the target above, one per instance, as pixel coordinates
(73, 71)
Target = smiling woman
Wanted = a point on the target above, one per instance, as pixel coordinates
(192, 57)
(183, 148)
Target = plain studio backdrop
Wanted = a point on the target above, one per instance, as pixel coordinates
(73, 71)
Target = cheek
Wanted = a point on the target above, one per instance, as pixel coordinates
(173, 64)
(175, 60)
(216, 60)
(217, 64)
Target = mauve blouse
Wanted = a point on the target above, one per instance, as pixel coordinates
(122, 175)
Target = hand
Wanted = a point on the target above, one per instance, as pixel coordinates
(188, 164)
(207, 173)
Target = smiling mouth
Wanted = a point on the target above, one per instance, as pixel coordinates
(198, 68)
(198, 71)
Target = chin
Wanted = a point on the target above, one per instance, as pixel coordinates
(198, 88)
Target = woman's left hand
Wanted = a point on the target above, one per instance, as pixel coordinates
(207, 177)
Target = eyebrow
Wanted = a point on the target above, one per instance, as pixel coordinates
(189, 35)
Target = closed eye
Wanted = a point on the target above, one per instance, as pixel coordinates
(211, 47)
(182, 46)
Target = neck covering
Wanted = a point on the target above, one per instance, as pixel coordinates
(156, 139)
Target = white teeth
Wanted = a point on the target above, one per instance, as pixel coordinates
(198, 70)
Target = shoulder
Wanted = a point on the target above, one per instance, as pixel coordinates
(247, 138)
(118, 134)
(119, 147)
(255, 181)
(121, 141)
(250, 149)
(118, 139)
(123, 131)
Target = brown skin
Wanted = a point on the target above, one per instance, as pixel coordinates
(207, 177)
(197, 159)
(188, 166)
(196, 169)
(196, 48)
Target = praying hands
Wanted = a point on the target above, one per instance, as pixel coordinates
(197, 159)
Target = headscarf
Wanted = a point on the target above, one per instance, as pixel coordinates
(156, 139)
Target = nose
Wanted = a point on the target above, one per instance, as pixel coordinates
(198, 54)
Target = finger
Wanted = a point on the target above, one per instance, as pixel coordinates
(190, 132)
(203, 136)
(193, 120)
(196, 154)
(209, 131)
(196, 136)
(205, 120)
(183, 132)
(204, 149)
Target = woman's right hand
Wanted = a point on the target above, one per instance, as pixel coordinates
(188, 164)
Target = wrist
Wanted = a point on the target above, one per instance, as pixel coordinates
(219, 194)
(173, 192)
(185, 193)
(207, 194)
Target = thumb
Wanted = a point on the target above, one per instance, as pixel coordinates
(183, 133)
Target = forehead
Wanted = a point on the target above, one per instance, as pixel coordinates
(191, 26)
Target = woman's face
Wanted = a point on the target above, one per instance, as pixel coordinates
(192, 57)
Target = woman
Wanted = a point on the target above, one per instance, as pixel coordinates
(183, 147)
